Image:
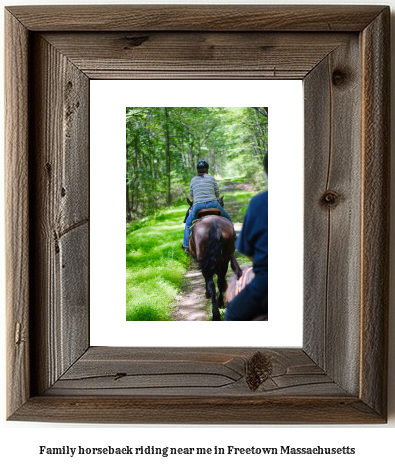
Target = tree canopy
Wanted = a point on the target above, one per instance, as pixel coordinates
(163, 146)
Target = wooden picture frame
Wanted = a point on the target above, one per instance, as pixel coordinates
(340, 373)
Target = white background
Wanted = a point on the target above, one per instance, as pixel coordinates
(19, 441)
(107, 217)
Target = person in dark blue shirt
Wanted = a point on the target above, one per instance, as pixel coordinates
(252, 301)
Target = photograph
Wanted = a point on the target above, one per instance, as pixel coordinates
(204, 169)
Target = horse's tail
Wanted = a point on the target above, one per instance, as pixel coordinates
(209, 264)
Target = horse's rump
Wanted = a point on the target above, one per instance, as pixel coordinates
(209, 264)
(199, 239)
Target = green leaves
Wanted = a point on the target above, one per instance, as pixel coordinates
(163, 146)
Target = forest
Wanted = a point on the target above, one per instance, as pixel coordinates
(163, 146)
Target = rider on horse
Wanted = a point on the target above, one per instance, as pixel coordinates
(204, 191)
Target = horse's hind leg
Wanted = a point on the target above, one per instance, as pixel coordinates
(222, 285)
(207, 293)
(235, 267)
(212, 291)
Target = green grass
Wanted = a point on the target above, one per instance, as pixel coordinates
(237, 203)
(155, 265)
(231, 179)
(155, 262)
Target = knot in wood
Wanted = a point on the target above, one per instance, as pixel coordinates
(330, 199)
(120, 375)
(135, 41)
(339, 77)
(259, 369)
(18, 334)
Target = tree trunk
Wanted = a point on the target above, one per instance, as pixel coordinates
(168, 160)
(128, 209)
(263, 111)
(260, 142)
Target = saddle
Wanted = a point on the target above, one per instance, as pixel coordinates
(204, 212)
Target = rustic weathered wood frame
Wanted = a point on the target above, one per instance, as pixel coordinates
(340, 374)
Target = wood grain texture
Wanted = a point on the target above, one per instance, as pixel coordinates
(376, 211)
(196, 17)
(195, 55)
(181, 385)
(190, 372)
(339, 376)
(332, 214)
(17, 212)
(317, 151)
(60, 180)
(198, 410)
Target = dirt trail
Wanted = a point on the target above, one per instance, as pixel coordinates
(192, 304)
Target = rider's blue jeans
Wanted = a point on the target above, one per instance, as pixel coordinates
(193, 215)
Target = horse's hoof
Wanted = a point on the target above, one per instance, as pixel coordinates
(208, 296)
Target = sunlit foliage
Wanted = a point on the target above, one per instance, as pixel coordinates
(163, 146)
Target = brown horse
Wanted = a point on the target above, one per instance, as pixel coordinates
(236, 285)
(212, 244)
